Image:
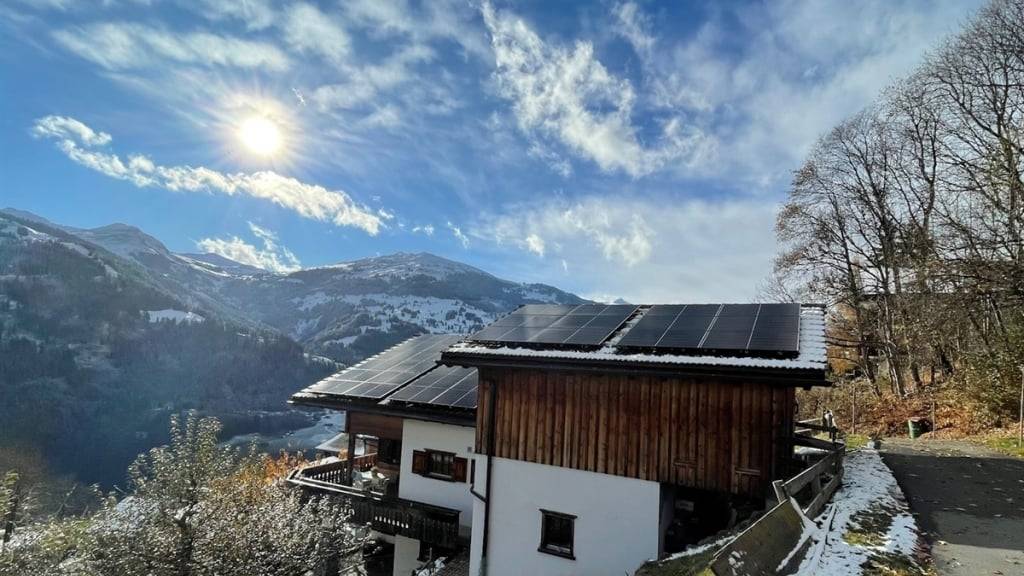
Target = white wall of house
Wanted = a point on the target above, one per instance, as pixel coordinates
(616, 527)
(419, 435)
(406, 551)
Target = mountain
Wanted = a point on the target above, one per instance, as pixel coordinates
(107, 332)
(95, 355)
(345, 311)
(352, 309)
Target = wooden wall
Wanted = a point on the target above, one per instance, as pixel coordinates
(718, 435)
(374, 425)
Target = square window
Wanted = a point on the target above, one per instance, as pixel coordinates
(556, 533)
(440, 464)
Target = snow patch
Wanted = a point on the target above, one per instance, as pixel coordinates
(868, 488)
(176, 316)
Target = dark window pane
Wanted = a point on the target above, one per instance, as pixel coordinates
(557, 533)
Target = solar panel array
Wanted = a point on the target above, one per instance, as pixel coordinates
(448, 386)
(751, 329)
(552, 324)
(384, 373)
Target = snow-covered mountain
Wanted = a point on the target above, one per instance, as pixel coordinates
(352, 309)
(345, 311)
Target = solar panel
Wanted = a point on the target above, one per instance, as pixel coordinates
(382, 374)
(582, 325)
(777, 329)
(749, 329)
(451, 386)
(731, 330)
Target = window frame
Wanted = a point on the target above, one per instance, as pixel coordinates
(547, 547)
(430, 473)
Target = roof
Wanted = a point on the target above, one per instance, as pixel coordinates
(809, 364)
(405, 380)
(335, 444)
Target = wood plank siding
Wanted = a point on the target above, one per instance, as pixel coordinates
(377, 425)
(725, 435)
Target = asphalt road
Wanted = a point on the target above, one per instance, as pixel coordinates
(968, 501)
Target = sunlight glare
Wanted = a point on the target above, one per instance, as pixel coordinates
(260, 135)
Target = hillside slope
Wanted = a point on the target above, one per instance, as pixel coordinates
(104, 332)
(95, 355)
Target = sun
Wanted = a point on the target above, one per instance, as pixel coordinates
(260, 135)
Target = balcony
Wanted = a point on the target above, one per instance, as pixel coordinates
(386, 514)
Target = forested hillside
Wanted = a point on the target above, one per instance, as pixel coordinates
(94, 357)
(104, 333)
(908, 218)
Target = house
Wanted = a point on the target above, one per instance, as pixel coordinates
(408, 440)
(610, 435)
(573, 439)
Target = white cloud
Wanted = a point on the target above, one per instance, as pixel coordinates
(633, 25)
(427, 229)
(459, 235)
(568, 95)
(453, 20)
(535, 244)
(272, 256)
(85, 146)
(308, 30)
(800, 69)
(365, 84)
(255, 14)
(386, 116)
(644, 250)
(123, 45)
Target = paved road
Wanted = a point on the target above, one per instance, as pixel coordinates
(968, 500)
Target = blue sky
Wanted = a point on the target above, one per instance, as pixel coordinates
(614, 149)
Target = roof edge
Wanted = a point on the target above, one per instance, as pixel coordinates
(458, 418)
(794, 377)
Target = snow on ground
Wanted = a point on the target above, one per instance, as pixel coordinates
(439, 315)
(867, 523)
(172, 314)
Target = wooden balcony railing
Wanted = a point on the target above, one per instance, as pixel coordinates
(433, 524)
(334, 472)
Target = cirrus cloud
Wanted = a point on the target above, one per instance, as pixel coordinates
(125, 45)
(566, 94)
(86, 146)
(643, 250)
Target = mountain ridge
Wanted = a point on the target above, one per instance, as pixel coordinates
(345, 311)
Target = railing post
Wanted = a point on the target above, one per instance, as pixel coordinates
(780, 491)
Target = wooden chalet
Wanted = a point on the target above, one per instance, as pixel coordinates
(610, 434)
(697, 400)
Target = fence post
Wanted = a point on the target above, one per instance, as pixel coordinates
(780, 491)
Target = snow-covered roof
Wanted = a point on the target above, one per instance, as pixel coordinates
(810, 357)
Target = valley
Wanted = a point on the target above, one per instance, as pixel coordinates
(106, 333)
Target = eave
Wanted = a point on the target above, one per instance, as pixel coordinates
(794, 377)
(454, 417)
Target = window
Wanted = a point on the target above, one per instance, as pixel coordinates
(440, 465)
(556, 533)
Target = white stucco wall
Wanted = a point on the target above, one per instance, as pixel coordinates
(418, 435)
(616, 528)
(406, 551)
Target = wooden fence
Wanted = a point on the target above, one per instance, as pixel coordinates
(830, 466)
